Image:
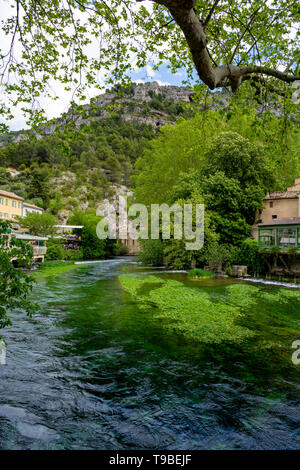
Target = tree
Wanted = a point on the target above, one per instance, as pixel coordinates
(15, 285)
(240, 143)
(253, 256)
(178, 149)
(234, 178)
(152, 252)
(227, 42)
(39, 186)
(241, 159)
(39, 224)
(92, 247)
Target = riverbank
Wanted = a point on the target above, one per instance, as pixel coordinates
(52, 268)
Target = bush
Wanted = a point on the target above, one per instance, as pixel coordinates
(55, 252)
(152, 252)
(121, 250)
(252, 256)
(73, 255)
(177, 257)
(197, 272)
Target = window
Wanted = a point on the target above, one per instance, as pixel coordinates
(1, 200)
(14, 203)
(6, 216)
(267, 237)
(20, 205)
(6, 202)
(287, 237)
(274, 216)
(271, 204)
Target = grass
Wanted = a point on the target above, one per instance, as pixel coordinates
(200, 273)
(52, 268)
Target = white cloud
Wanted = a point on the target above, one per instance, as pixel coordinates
(139, 81)
(149, 71)
(163, 83)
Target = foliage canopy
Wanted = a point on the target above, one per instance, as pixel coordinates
(81, 43)
(15, 284)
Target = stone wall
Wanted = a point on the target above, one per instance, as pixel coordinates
(283, 208)
(133, 246)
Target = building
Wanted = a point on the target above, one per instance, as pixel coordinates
(283, 233)
(132, 246)
(31, 208)
(39, 244)
(278, 226)
(68, 229)
(11, 205)
(279, 205)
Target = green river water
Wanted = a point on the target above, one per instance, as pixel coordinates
(93, 370)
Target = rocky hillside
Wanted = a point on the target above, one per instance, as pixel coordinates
(147, 104)
(64, 168)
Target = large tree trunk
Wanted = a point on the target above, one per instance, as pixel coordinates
(193, 29)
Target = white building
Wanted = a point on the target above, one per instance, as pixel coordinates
(39, 244)
(31, 208)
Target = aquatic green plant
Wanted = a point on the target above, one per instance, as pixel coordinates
(133, 284)
(52, 268)
(240, 295)
(187, 311)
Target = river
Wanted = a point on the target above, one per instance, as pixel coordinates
(92, 371)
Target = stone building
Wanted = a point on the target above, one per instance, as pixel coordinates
(278, 225)
(133, 246)
(277, 206)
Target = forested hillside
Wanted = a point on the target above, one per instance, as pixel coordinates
(76, 161)
(74, 168)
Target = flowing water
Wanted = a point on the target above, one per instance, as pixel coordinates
(92, 371)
